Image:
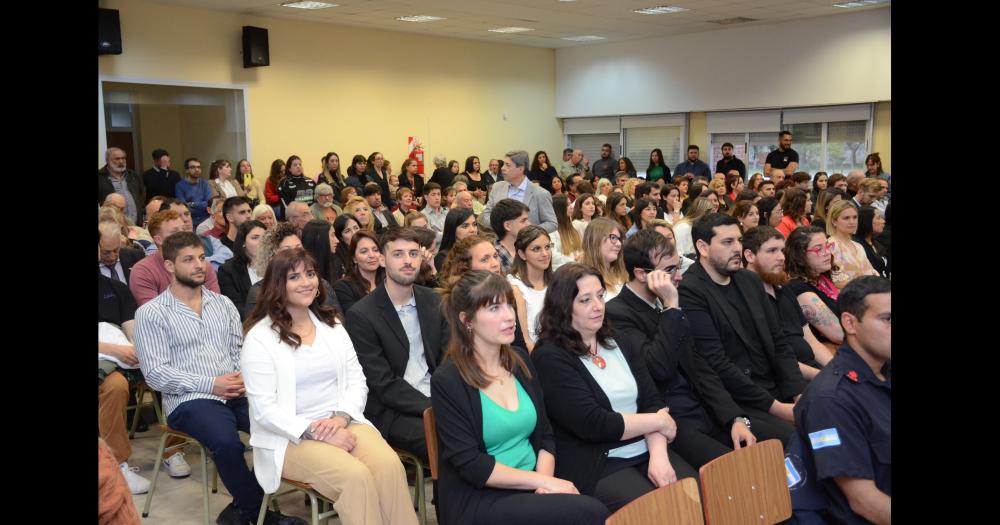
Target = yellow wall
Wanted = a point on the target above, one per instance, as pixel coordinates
(882, 134)
(698, 134)
(348, 89)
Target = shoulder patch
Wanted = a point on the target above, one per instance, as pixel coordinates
(824, 438)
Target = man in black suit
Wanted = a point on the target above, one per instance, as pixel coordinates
(399, 335)
(113, 260)
(160, 179)
(736, 331)
(382, 215)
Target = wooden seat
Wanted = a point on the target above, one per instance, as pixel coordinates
(430, 434)
(747, 486)
(675, 504)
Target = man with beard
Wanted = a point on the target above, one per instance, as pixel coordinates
(324, 208)
(188, 339)
(399, 335)
(216, 252)
(114, 177)
(783, 158)
(150, 276)
(606, 166)
(730, 162)
(236, 211)
(763, 251)
(755, 377)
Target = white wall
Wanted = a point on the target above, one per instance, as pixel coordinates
(837, 59)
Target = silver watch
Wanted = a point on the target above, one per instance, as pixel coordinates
(742, 419)
(344, 415)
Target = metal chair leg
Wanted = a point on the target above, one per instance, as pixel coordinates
(313, 508)
(418, 492)
(263, 509)
(204, 483)
(156, 473)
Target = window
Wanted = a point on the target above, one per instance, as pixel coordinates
(590, 143)
(640, 142)
(760, 145)
(846, 147)
(739, 142)
(807, 140)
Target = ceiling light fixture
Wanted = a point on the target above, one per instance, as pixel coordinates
(583, 38)
(309, 5)
(419, 18)
(661, 10)
(860, 3)
(509, 30)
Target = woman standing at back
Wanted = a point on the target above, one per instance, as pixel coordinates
(657, 168)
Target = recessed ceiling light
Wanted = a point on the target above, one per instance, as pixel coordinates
(419, 18)
(860, 3)
(584, 38)
(510, 30)
(309, 5)
(661, 10)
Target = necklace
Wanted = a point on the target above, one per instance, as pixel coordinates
(598, 361)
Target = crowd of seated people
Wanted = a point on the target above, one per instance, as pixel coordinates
(584, 332)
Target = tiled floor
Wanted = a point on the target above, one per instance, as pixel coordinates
(179, 501)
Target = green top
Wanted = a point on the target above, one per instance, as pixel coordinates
(507, 433)
(655, 173)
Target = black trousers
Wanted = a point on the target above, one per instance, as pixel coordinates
(505, 507)
(624, 480)
(403, 432)
(698, 439)
(765, 426)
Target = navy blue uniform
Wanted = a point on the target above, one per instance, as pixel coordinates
(844, 417)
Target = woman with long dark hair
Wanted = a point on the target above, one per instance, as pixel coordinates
(497, 453)
(307, 395)
(796, 205)
(245, 178)
(271, 188)
(320, 240)
(611, 425)
(585, 208)
(479, 183)
(870, 224)
(602, 251)
(459, 223)
(818, 184)
(617, 210)
(642, 214)
(363, 272)
(237, 275)
(356, 177)
(770, 212)
(296, 186)
(625, 164)
(542, 171)
(530, 274)
(809, 263)
(657, 169)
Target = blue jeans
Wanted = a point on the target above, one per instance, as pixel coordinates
(215, 424)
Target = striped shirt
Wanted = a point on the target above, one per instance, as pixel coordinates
(181, 354)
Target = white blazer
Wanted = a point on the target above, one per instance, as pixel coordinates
(268, 367)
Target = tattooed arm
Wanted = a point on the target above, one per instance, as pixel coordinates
(820, 317)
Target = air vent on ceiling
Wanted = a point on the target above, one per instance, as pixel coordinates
(734, 20)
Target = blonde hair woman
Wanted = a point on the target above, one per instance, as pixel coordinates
(567, 239)
(682, 229)
(848, 255)
(602, 250)
(358, 207)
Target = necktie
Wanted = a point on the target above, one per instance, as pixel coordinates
(114, 274)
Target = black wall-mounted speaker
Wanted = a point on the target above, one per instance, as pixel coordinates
(255, 49)
(109, 32)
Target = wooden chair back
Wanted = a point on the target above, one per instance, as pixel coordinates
(675, 504)
(747, 486)
(430, 434)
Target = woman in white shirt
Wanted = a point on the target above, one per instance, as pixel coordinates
(221, 180)
(307, 396)
(584, 209)
(602, 251)
(682, 228)
(529, 275)
(567, 240)
(672, 204)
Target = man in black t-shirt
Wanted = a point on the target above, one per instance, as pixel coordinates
(784, 157)
(730, 162)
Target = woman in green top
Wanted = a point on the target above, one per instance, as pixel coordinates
(657, 169)
(496, 447)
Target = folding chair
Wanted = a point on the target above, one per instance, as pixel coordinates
(321, 508)
(675, 504)
(747, 486)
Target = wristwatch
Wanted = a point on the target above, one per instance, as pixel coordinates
(742, 419)
(344, 415)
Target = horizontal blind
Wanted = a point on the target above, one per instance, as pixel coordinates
(639, 142)
(590, 144)
(826, 114)
(743, 121)
(654, 121)
(590, 125)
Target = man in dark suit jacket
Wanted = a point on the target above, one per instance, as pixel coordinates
(115, 261)
(160, 179)
(736, 331)
(399, 335)
(382, 215)
(114, 175)
(648, 321)
(517, 186)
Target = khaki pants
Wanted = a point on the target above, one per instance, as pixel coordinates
(112, 399)
(368, 483)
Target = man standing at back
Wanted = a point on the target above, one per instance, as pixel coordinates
(693, 164)
(606, 166)
(516, 186)
(194, 191)
(578, 164)
(160, 179)
(399, 335)
(115, 177)
(784, 157)
(730, 162)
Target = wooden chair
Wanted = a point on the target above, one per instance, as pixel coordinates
(675, 504)
(430, 434)
(747, 486)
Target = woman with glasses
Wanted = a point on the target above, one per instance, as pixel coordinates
(611, 424)
(809, 263)
(602, 251)
(530, 275)
(848, 256)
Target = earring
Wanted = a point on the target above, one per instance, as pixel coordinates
(469, 328)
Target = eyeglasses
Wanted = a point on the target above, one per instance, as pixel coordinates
(827, 248)
(672, 270)
(615, 239)
(547, 247)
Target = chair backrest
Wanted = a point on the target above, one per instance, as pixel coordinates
(748, 485)
(675, 504)
(431, 435)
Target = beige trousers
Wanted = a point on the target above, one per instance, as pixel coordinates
(368, 483)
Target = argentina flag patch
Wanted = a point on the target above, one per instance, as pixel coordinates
(824, 438)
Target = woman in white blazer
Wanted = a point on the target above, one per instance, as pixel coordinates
(307, 396)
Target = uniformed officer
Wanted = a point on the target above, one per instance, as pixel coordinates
(844, 414)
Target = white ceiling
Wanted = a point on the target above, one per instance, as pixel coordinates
(551, 19)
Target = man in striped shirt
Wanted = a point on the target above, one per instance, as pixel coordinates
(188, 339)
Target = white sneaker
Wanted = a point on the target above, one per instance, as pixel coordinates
(136, 483)
(176, 466)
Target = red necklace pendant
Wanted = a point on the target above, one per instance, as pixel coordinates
(598, 361)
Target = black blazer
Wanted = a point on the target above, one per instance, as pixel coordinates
(234, 283)
(383, 350)
(463, 464)
(664, 340)
(347, 294)
(418, 183)
(584, 423)
(128, 258)
(716, 327)
(158, 183)
(390, 220)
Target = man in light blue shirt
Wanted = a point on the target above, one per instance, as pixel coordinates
(516, 186)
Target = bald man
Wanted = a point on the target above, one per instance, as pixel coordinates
(116, 200)
(854, 178)
(114, 260)
(298, 214)
(578, 163)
